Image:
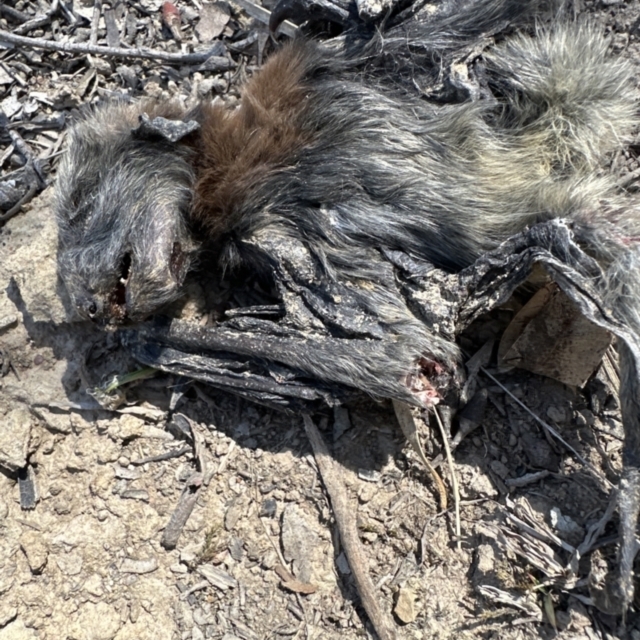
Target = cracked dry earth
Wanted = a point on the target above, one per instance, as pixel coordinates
(86, 562)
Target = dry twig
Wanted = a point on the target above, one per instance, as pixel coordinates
(454, 478)
(263, 15)
(406, 419)
(95, 21)
(550, 430)
(27, 197)
(114, 52)
(345, 520)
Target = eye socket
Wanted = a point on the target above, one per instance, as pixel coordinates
(119, 297)
(89, 308)
(125, 267)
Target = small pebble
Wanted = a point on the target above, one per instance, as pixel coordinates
(405, 608)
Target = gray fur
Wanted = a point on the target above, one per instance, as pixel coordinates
(388, 171)
(444, 183)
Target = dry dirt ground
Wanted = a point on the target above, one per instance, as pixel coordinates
(86, 562)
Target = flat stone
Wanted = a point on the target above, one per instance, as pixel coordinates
(14, 439)
(405, 608)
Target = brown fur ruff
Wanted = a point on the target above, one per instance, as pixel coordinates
(239, 148)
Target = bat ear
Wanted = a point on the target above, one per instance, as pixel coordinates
(163, 129)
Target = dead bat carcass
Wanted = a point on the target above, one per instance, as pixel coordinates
(390, 205)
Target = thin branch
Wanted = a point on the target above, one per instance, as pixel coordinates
(114, 52)
(407, 420)
(550, 430)
(345, 519)
(36, 23)
(95, 21)
(27, 197)
(263, 15)
(454, 478)
(14, 14)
